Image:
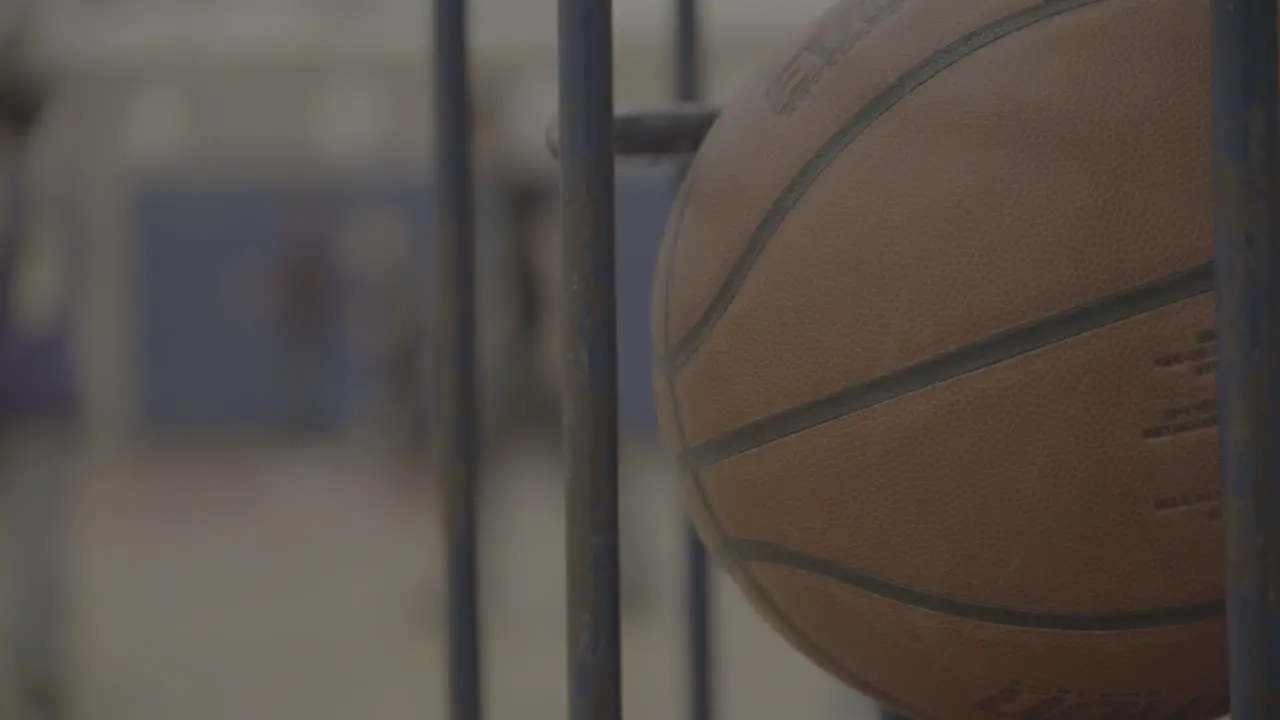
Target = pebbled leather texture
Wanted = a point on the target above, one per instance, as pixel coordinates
(934, 325)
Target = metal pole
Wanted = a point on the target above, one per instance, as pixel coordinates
(457, 422)
(688, 77)
(1247, 260)
(591, 383)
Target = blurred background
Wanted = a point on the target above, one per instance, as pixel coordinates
(214, 364)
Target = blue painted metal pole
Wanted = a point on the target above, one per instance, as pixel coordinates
(591, 358)
(1247, 261)
(457, 424)
(689, 80)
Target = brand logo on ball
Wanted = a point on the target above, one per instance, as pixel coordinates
(837, 33)
(1026, 702)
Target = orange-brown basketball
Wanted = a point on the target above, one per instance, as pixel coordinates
(935, 334)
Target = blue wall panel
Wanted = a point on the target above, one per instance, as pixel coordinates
(210, 349)
(207, 355)
(644, 198)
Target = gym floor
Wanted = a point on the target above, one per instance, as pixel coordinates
(219, 580)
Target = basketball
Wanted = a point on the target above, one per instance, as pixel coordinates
(934, 337)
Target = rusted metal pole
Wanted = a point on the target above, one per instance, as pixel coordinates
(457, 422)
(591, 358)
(1247, 259)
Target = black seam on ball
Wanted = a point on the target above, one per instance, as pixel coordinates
(806, 643)
(991, 350)
(756, 551)
(677, 354)
(676, 222)
(727, 555)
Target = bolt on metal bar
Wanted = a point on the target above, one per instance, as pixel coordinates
(1247, 266)
(457, 424)
(590, 404)
(688, 86)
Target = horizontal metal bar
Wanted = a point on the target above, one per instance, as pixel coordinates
(673, 131)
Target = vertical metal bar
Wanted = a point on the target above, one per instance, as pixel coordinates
(1247, 260)
(591, 384)
(688, 86)
(456, 428)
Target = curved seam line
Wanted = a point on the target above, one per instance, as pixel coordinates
(1118, 621)
(679, 353)
(965, 360)
(807, 644)
(681, 203)
(672, 393)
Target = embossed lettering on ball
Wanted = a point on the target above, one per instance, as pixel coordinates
(934, 324)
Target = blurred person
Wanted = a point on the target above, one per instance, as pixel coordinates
(306, 299)
(534, 402)
(37, 419)
(389, 322)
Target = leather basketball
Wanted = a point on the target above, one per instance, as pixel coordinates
(934, 334)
